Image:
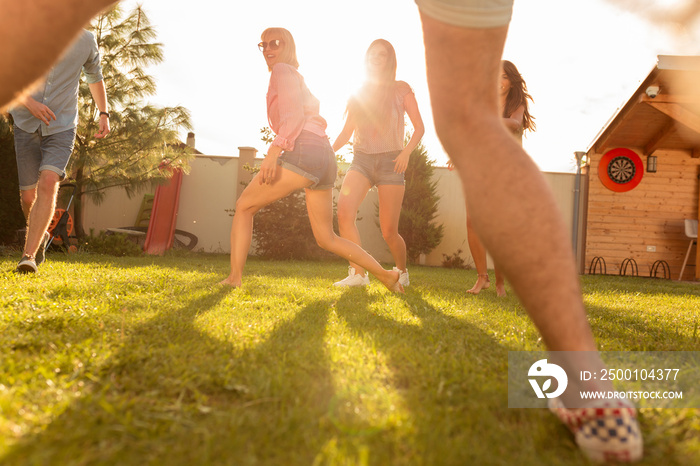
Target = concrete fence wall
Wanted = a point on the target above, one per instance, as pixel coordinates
(208, 196)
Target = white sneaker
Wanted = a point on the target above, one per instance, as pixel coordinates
(403, 276)
(353, 279)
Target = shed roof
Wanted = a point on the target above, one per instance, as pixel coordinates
(668, 121)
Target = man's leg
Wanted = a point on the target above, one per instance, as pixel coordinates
(39, 209)
(41, 164)
(518, 220)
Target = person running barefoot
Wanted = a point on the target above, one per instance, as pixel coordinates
(299, 157)
(513, 99)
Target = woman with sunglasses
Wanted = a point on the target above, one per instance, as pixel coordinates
(513, 97)
(375, 116)
(299, 157)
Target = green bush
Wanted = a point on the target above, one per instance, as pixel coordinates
(420, 206)
(282, 230)
(455, 261)
(114, 244)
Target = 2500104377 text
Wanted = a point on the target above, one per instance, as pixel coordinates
(635, 374)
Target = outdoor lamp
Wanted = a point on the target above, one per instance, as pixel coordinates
(651, 164)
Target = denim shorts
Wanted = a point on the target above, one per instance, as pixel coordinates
(313, 158)
(36, 153)
(378, 168)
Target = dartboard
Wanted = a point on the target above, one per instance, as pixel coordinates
(620, 170)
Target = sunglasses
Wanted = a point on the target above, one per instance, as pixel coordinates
(273, 45)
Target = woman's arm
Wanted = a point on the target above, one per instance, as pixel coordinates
(290, 105)
(515, 121)
(268, 167)
(411, 106)
(290, 118)
(345, 134)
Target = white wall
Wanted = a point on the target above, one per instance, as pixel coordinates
(208, 196)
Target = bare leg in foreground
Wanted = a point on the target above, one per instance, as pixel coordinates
(488, 159)
(520, 224)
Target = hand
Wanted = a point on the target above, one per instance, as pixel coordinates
(39, 110)
(104, 127)
(268, 169)
(450, 165)
(401, 162)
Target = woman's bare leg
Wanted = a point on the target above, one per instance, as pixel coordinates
(352, 193)
(478, 253)
(253, 198)
(390, 202)
(500, 282)
(319, 205)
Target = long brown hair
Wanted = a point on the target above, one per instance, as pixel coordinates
(372, 104)
(517, 96)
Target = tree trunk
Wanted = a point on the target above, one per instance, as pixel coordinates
(78, 196)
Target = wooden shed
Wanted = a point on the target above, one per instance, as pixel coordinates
(643, 172)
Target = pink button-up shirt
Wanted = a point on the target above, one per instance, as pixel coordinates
(291, 108)
(370, 141)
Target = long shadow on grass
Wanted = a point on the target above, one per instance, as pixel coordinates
(186, 261)
(453, 378)
(639, 285)
(629, 321)
(174, 394)
(621, 328)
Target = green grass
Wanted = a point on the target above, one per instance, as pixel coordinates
(146, 361)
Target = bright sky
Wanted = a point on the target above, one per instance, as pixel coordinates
(581, 60)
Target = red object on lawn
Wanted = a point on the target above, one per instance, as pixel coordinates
(161, 227)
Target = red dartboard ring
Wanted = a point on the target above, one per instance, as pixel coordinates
(620, 170)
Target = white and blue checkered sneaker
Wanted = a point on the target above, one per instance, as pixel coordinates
(605, 430)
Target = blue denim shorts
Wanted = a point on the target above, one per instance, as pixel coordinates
(378, 168)
(313, 158)
(36, 153)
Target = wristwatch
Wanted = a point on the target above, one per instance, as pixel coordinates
(104, 113)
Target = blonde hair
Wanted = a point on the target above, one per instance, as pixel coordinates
(289, 50)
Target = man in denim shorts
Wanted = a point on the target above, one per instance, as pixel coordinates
(512, 207)
(44, 128)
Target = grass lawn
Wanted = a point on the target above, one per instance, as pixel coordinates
(146, 361)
